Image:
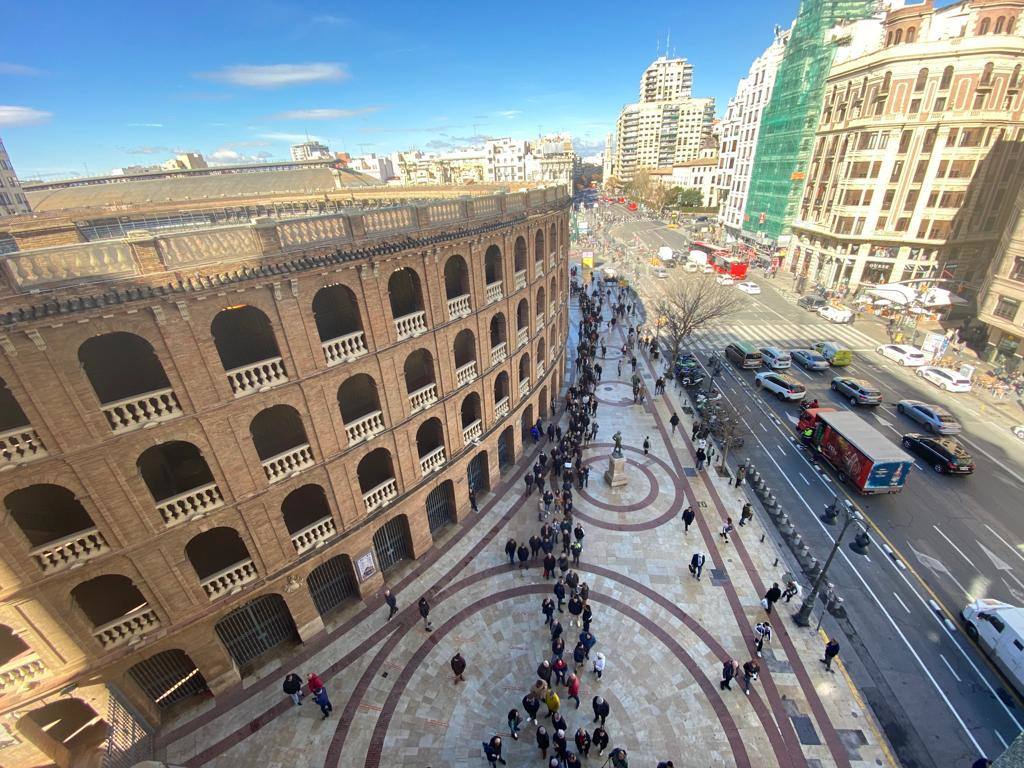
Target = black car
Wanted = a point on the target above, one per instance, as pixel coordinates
(812, 302)
(945, 454)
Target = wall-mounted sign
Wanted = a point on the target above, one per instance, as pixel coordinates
(365, 566)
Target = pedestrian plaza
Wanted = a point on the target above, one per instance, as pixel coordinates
(664, 634)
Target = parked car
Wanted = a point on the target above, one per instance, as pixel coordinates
(857, 391)
(836, 354)
(934, 418)
(775, 358)
(1018, 431)
(749, 287)
(724, 280)
(836, 313)
(944, 454)
(812, 302)
(782, 386)
(691, 267)
(904, 354)
(944, 378)
(660, 272)
(707, 269)
(809, 359)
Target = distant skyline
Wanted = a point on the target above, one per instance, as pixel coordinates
(87, 88)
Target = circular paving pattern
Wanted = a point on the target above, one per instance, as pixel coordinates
(609, 389)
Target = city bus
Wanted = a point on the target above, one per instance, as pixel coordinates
(722, 260)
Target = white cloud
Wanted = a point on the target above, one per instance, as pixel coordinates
(325, 114)
(290, 138)
(17, 69)
(509, 113)
(228, 156)
(145, 125)
(11, 115)
(275, 75)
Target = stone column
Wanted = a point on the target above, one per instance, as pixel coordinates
(302, 608)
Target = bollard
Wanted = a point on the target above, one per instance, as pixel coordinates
(814, 568)
(771, 501)
(777, 512)
(796, 541)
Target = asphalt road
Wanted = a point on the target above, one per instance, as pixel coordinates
(953, 538)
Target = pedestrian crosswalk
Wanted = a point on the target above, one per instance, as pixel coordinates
(784, 335)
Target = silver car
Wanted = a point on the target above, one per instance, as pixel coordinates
(934, 418)
(857, 391)
(809, 359)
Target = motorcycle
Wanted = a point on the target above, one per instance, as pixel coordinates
(805, 404)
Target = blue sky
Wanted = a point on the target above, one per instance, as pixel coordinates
(86, 87)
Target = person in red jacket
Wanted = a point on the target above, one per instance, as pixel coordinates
(314, 682)
(574, 689)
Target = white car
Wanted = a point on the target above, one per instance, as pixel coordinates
(904, 354)
(661, 272)
(836, 314)
(776, 358)
(691, 267)
(782, 386)
(724, 280)
(707, 269)
(748, 287)
(944, 378)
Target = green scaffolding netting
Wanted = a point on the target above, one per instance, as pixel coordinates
(791, 117)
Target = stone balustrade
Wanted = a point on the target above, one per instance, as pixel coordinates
(345, 349)
(459, 307)
(472, 432)
(127, 629)
(20, 446)
(539, 267)
(288, 463)
(432, 461)
(520, 278)
(365, 427)
(314, 535)
(70, 551)
(197, 502)
(141, 411)
(540, 369)
(501, 408)
(381, 494)
(466, 373)
(423, 397)
(411, 325)
(494, 292)
(498, 353)
(230, 580)
(524, 386)
(257, 377)
(540, 320)
(522, 336)
(553, 260)
(20, 671)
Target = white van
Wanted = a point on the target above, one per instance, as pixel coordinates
(775, 358)
(999, 629)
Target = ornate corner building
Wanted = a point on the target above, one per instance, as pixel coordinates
(215, 436)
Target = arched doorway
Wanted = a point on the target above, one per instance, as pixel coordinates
(441, 507)
(393, 543)
(168, 677)
(506, 450)
(257, 627)
(478, 473)
(332, 584)
(527, 422)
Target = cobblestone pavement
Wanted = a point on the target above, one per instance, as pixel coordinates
(664, 634)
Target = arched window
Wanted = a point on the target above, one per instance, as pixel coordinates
(1010, 24)
(911, 34)
(983, 27)
(886, 82)
(922, 78)
(947, 78)
(1015, 76)
(898, 37)
(888, 38)
(986, 74)
(1000, 23)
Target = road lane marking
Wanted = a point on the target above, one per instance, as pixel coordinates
(954, 546)
(998, 462)
(762, 426)
(1001, 739)
(1010, 546)
(950, 668)
(898, 600)
(804, 478)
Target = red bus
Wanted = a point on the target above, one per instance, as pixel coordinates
(722, 260)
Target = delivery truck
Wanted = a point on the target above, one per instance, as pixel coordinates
(666, 254)
(860, 454)
(999, 629)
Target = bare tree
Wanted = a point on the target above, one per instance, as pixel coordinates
(729, 430)
(690, 305)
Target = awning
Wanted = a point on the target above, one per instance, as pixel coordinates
(902, 295)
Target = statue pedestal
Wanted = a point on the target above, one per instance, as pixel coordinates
(615, 475)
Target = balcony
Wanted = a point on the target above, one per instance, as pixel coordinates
(257, 377)
(230, 580)
(381, 494)
(459, 307)
(539, 268)
(501, 408)
(472, 432)
(553, 260)
(128, 629)
(524, 387)
(522, 336)
(465, 373)
(365, 427)
(423, 397)
(313, 536)
(498, 353)
(17, 673)
(432, 461)
(71, 551)
(540, 370)
(142, 411)
(288, 463)
(494, 292)
(20, 446)
(520, 278)
(540, 321)
(345, 349)
(411, 325)
(193, 504)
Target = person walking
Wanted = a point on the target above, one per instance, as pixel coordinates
(695, 430)
(741, 473)
(701, 458)
(727, 528)
(544, 675)
(472, 500)
(583, 741)
(559, 667)
(292, 686)
(321, 699)
(559, 591)
(601, 709)
(573, 691)
(391, 602)
(697, 564)
(831, 651)
(579, 656)
(589, 641)
(492, 751)
(514, 721)
(523, 553)
(729, 670)
(647, 445)
(531, 705)
(549, 565)
(424, 607)
(556, 629)
(576, 550)
(688, 517)
(674, 421)
(543, 741)
(588, 614)
(314, 682)
(746, 514)
(762, 635)
(575, 609)
(510, 551)
(547, 607)
(458, 665)
(559, 743)
(792, 590)
(771, 597)
(599, 739)
(751, 669)
(599, 662)
(553, 703)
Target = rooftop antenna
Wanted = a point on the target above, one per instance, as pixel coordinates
(668, 43)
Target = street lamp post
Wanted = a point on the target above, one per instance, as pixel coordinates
(851, 517)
